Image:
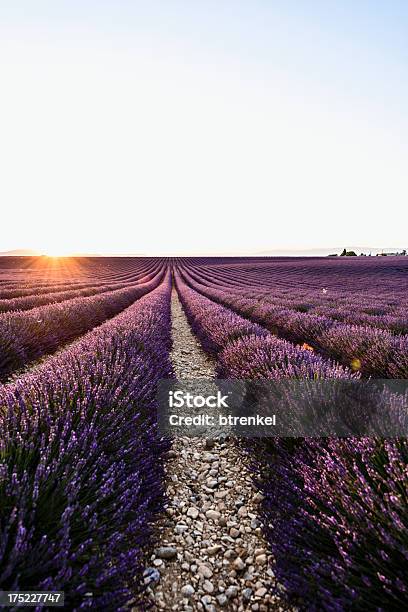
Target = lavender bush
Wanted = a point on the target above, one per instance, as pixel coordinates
(341, 504)
(213, 324)
(81, 461)
(52, 297)
(343, 507)
(373, 352)
(25, 336)
(79, 275)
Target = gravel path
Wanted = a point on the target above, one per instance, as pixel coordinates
(212, 555)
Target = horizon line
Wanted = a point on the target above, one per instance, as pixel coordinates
(283, 252)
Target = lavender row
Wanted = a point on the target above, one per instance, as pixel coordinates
(33, 301)
(373, 352)
(343, 302)
(341, 504)
(27, 336)
(140, 273)
(342, 507)
(353, 276)
(214, 325)
(374, 312)
(300, 295)
(247, 350)
(81, 461)
(354, 311)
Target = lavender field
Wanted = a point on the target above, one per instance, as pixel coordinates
(84, 469)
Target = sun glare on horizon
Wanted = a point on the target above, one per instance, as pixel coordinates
(57, 253)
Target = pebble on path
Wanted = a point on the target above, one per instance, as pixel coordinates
(212, 552)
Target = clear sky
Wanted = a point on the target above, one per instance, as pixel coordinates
(208, 126)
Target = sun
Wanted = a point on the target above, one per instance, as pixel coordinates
(55, 254)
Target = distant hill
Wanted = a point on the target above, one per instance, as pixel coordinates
(33, 253)
(20, 252)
